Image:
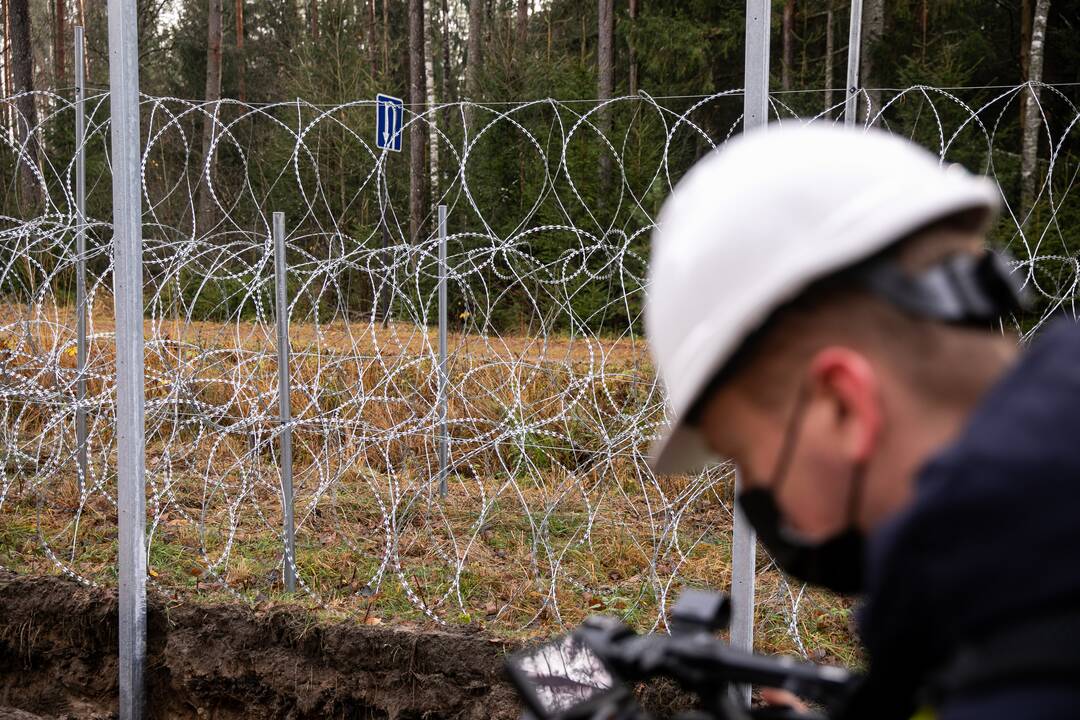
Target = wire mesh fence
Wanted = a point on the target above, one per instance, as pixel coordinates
(550, 510)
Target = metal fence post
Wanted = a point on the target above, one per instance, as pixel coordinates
(385, 295)
(444, 434)
(755, 117)
(80, 262)
(854, 52)
(130, 397)
(284, 409)
(756, 77)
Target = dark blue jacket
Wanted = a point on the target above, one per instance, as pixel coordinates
(990, 542)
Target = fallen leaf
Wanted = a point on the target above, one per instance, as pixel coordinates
(372, 620)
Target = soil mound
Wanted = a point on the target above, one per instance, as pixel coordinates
(58, 646)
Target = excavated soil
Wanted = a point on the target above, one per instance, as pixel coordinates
(58, 647)
(58, 661)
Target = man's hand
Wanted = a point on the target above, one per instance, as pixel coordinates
(778, 697)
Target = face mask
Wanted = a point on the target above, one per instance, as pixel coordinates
(836, 562)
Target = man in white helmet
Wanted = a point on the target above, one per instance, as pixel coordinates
(824, 312)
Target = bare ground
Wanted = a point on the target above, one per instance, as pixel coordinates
(58, 658)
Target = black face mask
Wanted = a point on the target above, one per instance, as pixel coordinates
(835, 563)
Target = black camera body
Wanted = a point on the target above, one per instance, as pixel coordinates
(589, 673)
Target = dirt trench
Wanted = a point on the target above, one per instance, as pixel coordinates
(58, 646)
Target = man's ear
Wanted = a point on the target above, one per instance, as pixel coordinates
(846, 379)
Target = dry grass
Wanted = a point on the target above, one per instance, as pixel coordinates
(55, 324)
(530, 539)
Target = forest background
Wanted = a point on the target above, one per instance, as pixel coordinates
(439, 52)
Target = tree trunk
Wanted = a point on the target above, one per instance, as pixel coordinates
(522, 24)
(212, 97)
(60, 42)
(583, 36)
(873, 29)
(81, 6)
(449, 88)
(370, 37)
(313, 18)
(22, 55)
(547, 16)
(606, 49)
(1029, 153)
(472, 58)
(1026, 13)
(925, 26)
(417, 96)
(830, 49)
(789, 44)
(805, 47)
(632, 48)
(429, 86)
(5, 89)
(605, 85)
(9, 84)
(240, 60)
(386, 39)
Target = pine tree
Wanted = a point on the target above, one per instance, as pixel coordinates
(417, 98)
(873, 30)
(60, 41)
(788, 38)
(241, 74)
(473, 59)
(22, 61)
(605, 85)
(212, 96)
(522, 24)
(632, 59)
(830, 51)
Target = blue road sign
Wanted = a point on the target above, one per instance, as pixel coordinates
(389, 114)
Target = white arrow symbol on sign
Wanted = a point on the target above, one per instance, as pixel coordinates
(388, 118)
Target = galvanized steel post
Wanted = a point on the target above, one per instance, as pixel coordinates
(80, 262)
(284, 409)
(444, 433)
(854, 53)
(756, 74)
(130, 397)
(755, 118)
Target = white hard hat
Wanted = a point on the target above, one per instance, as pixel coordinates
(754, 223)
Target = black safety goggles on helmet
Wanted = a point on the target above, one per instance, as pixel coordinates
(962, 289)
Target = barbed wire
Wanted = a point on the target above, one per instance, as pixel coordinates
(552, 401)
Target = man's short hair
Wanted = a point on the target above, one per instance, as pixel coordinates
(838, 309)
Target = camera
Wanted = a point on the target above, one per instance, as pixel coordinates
(589, 674)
